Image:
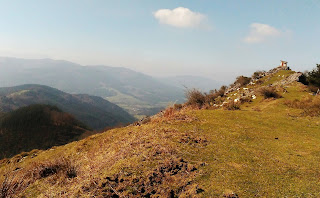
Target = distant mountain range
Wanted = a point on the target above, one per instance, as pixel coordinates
(127, 88)
(138, 93)
(94, 111)
(37, 127)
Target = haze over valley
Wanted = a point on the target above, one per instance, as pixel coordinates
(138, 93)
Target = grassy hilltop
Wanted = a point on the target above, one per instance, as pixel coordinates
(259, 139)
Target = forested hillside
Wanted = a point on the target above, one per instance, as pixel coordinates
(37, 127)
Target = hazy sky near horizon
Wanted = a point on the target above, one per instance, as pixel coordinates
(216, 39)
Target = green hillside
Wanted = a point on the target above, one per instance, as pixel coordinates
(37, 127)
(94, 111)
(260, 139)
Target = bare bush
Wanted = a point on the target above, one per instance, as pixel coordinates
(232, 105)
(242, 80)
(313, 88)
(269, 92)
(177, 106)
(61, 165)
(258, 74)
(213, 94)
(245, 99)
(259, 82)
(195, 98)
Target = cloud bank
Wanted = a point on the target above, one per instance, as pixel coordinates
(180, 17)
(261, 32)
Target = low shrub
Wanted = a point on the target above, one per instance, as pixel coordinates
(257, 74)
(232, 105)
(62, 166)
(172, 111)
(245, 99)
(195, 98)
(219, 100)
(214, 94)
(259, 82)
(313, 88)
(269, 92)
(177, 106)
(242, 80)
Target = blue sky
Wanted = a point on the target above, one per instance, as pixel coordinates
(216, 39)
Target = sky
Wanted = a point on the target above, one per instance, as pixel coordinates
(211, 38)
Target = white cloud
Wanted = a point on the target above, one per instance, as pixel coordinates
(180, 17)
(261, 32)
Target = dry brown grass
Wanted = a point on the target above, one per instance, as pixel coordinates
(11, 181)
(143, 161)
(61, 166)
(174, 115)
(16, 179)
(310, 105)
(156, 171)
(169, 112)
(313, 88)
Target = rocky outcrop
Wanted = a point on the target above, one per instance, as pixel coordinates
(290, 79)
(261, 74)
